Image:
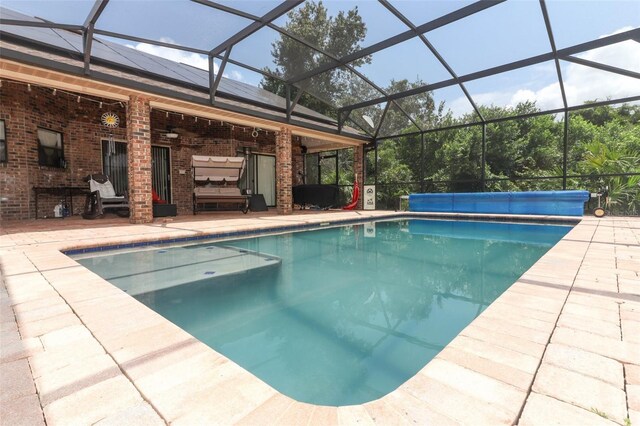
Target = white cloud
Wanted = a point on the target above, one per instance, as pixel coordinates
(584, 83)
(581, 83)
(235, 75)
(459, 106)
(180, 56)
(190, 58)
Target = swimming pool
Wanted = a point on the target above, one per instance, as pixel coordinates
(333, 316)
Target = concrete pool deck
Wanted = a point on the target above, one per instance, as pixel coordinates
(561, 346)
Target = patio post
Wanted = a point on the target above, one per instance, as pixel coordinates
(139, 159)
(284, 171)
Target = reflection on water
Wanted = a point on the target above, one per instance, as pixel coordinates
(349, 315)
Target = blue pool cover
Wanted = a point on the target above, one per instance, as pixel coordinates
(556, 203)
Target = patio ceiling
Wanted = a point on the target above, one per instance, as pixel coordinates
(440, 36)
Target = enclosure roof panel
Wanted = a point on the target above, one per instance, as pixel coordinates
(406, 65)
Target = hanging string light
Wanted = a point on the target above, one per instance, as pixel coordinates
(55, 91)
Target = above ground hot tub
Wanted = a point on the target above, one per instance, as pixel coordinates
(556, 203)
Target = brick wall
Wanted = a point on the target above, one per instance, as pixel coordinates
(139, 159)
(284, 167)
(24, 112)
(79, 123)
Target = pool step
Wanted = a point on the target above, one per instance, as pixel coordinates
(174, 266)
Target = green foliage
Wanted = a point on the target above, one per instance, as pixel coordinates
(455, 156)
(603, 140)
(522, 148)
(390, 167)
(520, 155)
(600, 413)
(394, 175)
(331, 168)
(606, 140)
(340, 35)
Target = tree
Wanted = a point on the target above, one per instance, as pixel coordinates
(522, 148)
(393, 176)
(339, 35)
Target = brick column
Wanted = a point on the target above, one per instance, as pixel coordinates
(358, 167)
(284, 171)
(139, 159)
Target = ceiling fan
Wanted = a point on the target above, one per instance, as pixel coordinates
(175, 132)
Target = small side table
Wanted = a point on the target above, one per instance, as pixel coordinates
(66, 192)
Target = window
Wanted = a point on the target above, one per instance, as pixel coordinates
(50, 151)
(3, 143)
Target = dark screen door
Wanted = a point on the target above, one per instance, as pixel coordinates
(115, 165)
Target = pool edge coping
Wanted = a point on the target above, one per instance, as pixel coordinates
(270, 229)
(402, 390)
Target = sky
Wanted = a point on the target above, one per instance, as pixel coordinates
(502, 34)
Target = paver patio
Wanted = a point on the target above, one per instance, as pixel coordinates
(561, 346)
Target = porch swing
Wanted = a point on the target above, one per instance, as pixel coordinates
(215, 181)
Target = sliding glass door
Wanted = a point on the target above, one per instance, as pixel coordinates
(266, 178)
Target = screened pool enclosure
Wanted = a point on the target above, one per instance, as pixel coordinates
(449, 96)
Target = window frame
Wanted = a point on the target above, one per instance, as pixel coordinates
(62, 163)
(3, 142)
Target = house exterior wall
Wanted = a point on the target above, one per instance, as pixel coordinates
(284, 168)
(25, 111)
(139, 159)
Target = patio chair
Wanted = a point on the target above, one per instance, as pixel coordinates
(103, 197)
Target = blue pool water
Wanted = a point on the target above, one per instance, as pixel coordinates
(334, 316)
